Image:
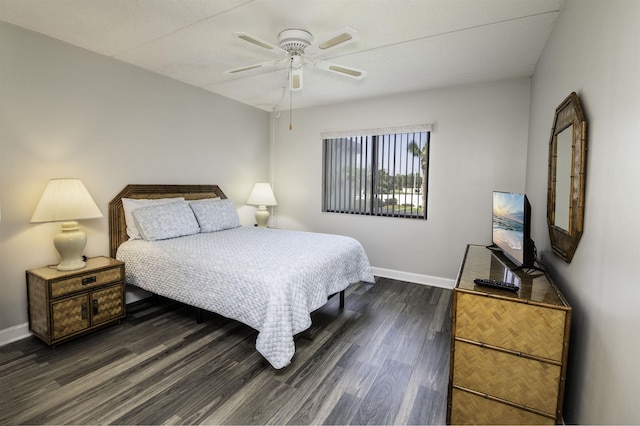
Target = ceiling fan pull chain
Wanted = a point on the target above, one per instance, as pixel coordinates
(290, 95)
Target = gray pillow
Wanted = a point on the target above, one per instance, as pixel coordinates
(165, 221)
(130, 204)
(215, 215)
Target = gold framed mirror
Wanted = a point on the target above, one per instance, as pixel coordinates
(566, 183)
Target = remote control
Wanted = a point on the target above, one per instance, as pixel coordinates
(496, 284)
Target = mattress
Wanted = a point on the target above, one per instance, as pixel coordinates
(269, 279)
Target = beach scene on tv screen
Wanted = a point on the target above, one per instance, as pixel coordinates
(508, 223)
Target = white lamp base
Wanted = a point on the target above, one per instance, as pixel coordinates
(262, 216)
(70, 242)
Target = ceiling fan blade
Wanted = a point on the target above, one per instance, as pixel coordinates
(342, 38)
(340, 69)
(254, 67)
(260, 43)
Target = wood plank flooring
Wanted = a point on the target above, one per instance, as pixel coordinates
(383, 359)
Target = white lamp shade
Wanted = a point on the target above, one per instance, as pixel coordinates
(262, 195)
(65, 199)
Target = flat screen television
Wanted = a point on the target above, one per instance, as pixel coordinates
(512, 228)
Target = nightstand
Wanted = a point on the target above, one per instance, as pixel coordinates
(67, 304)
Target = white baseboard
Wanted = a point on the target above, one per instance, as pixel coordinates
(11, 334)
(414, 278)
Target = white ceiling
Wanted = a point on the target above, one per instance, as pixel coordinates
(404, 45)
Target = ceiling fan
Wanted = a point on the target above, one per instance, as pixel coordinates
(296, 48)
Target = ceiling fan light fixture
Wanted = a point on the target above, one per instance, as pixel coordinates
(296, 79)
(294, 41)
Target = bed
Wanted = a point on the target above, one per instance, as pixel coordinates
(268, 279)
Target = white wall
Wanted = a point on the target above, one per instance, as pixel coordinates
(478, 145)
(66, 112)
(594, 50)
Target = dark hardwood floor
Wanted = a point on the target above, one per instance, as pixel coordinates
(384, 359)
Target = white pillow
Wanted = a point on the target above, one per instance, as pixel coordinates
(130, 204)
(166, 221)
(215, 215)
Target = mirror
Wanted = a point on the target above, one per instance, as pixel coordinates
(566, 183)
(564, 145)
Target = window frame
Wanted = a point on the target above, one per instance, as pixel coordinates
(374, 140)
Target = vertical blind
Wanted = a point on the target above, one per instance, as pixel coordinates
(382, 174)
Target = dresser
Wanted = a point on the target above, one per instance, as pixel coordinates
(67, 304)
(508, 350)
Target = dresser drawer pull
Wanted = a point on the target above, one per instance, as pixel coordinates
(95, 306)
(88, 280)
(84, 311)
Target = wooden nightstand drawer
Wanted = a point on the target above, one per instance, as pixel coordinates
(85, 281)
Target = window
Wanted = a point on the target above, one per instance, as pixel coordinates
(379, 173)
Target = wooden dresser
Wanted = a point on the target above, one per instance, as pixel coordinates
(508, 350)
(67, 304)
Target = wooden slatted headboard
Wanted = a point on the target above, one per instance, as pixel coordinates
(117, 224)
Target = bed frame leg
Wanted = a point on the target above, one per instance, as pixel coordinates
(199, 315)
(342, 299)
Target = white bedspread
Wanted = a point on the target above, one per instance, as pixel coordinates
(268, 279)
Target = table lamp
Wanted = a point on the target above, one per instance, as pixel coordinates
(262, 196)
(67, 200)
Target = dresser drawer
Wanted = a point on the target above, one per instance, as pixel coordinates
(470, 408)
(85, 281)
(501, 323)
(523, 381)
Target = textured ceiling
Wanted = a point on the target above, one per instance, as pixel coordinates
(404, 45)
